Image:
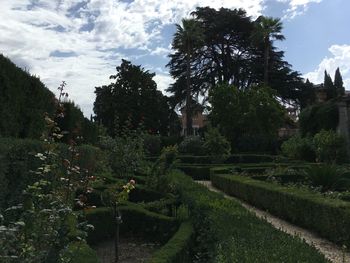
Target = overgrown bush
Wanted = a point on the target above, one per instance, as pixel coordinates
(157, 180)
(299, 148)
(330, 147)
(192, 145)
(216, 145)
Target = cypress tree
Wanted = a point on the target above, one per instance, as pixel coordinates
(338, 83)
(329, 86)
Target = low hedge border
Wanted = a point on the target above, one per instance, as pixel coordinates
(136, 221)
(226, 232)
(328, 217)
(177, 249)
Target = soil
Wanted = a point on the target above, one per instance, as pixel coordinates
(131, 250)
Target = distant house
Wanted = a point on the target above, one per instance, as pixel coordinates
(199, 120)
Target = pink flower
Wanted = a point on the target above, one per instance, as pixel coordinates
(132, 182)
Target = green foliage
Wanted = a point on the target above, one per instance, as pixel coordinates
(192, 145)
(231, 30)
(329, 86)
(242, 113)
(177, 249)
(299, 148)
(216, 145)
(338, 83)
(152, 144)
(104, 224)
(78, 252)
(330, 147)
(325, 176)
(225, 230)
(324, 116)
(23, 101)
(328, 217)
(134, 99)
(158, 180)
(126, 152)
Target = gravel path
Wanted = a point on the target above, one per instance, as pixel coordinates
(131, 250)
(329, 249)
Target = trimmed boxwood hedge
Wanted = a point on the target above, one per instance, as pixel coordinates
(329, 217)
(136, 220)
(177, 249)
(235, 158)
(226, 232)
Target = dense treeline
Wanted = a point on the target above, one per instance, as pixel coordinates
(24, 100)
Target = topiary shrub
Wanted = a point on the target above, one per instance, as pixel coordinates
(192, 145)
(299, 148)
(216, 145)
(330, 147)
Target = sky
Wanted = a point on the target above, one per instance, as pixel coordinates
(81, 42)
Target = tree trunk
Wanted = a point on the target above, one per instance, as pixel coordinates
(188, 96)
(266, 63)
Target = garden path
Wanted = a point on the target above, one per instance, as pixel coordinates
(131, 250)
(331, 251)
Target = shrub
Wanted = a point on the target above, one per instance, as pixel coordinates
(328, 177)
(177, 249)
(152, 144)
(192, 145)
(328, 217)
(319, 116)
(79, 252)
(299, 148)
(330, 147)
(216, 145)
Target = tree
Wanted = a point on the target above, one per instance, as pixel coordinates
(186, 39)
(228, 54)
(268, 29)
(338, 83)
(133, 100)
(238, 114)
(329, 86)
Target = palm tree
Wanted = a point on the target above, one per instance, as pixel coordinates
(268, 30)
(187, 38)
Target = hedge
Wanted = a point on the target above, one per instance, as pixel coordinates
(80, 252)
(136, 220)
(235, 158)
(328, 217)
(196, 172)
(177, 249)
(226, 232)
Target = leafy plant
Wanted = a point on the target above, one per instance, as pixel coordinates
(299, 148)
(216, 145)
(330, 147)
(192, 145)
(158, 179)
(324, 175)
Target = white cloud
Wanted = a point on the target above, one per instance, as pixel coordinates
(340, 58)
(297, 7)
(90, 32)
